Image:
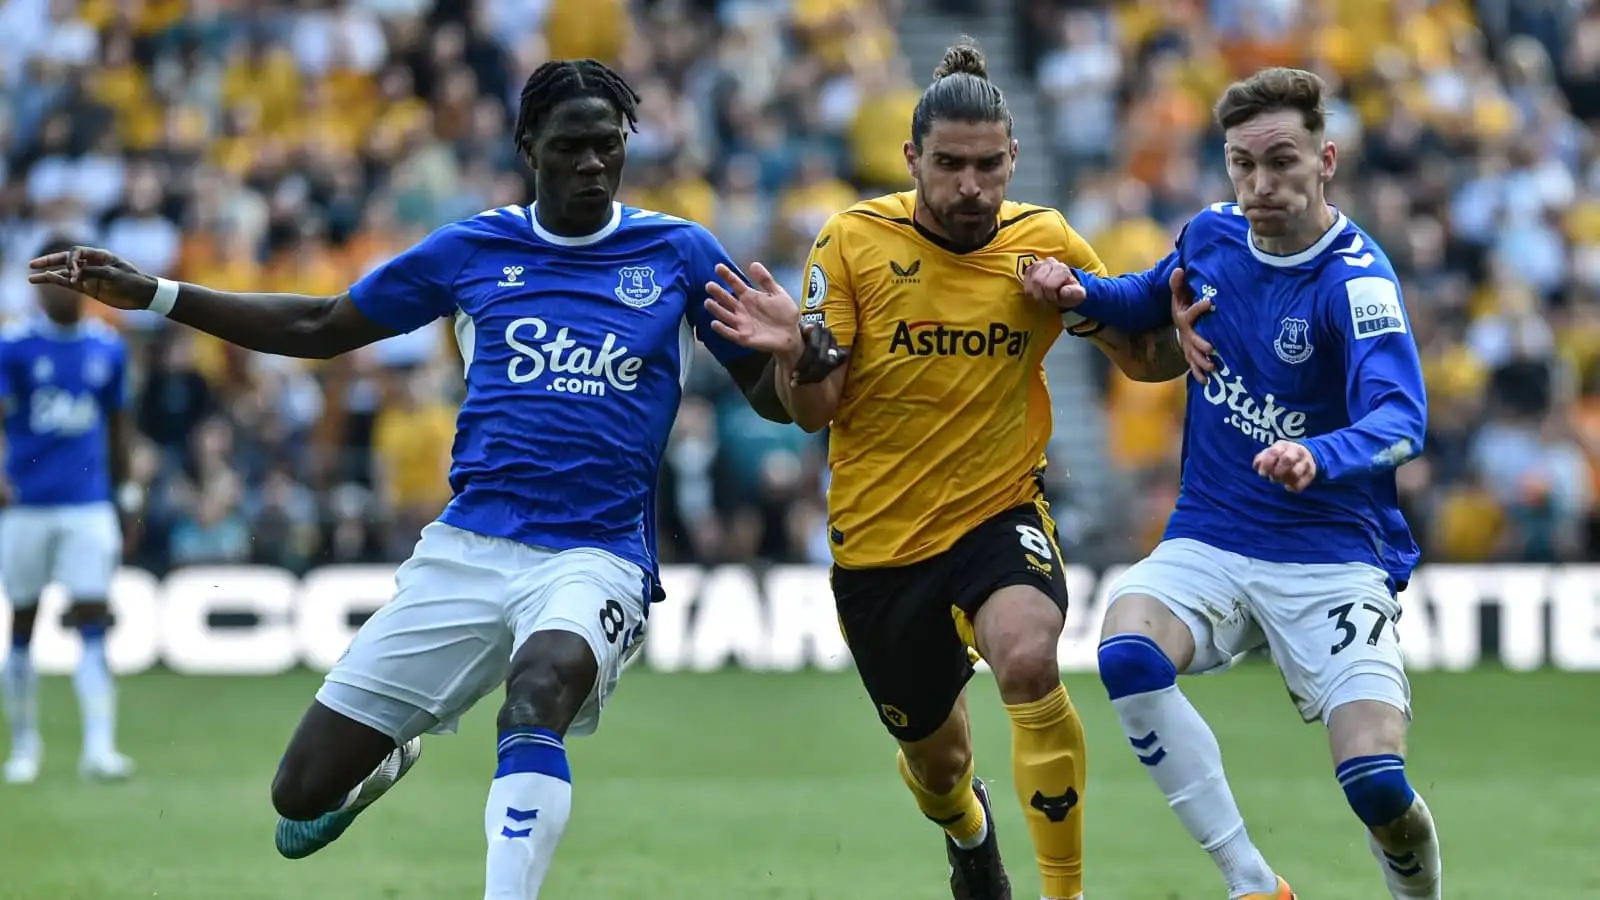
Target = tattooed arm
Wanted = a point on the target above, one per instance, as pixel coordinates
(1151, 356)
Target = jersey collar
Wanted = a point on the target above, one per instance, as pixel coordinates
(583, 240)
(48, 327)
(1304, 256)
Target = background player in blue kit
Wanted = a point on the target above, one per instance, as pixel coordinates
(63, 382)
(576, 319)
(1287, 529)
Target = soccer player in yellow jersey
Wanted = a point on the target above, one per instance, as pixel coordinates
(942, 541)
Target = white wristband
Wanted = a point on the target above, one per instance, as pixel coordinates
(166, 297)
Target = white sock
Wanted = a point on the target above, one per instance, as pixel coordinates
(21, 697)
(97, 697)
(1411, 865)
(530, 801)
(1182, 755)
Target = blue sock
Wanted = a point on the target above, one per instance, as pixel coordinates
(530, 801)
(1376, 787)
(97, 695)
(1134, 664)
(21, 689)
(1403, 838)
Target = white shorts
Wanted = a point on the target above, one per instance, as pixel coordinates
(78, 546)
(1330, 627)
(463, 603)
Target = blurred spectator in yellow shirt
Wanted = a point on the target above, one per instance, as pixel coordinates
(575, 29)
(411, 441)
(815, 194)
(1144, 419)
(881, 125)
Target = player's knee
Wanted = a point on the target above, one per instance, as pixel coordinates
(552, 675)
(1376, 787)
(93, 625)
(1017, 630)
(92, 615)
(22, 619)
(1026, 670)
(1134, 664)
(938, 766)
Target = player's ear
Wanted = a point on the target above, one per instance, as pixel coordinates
(1330, 160)
(911, 159)
(525, 145)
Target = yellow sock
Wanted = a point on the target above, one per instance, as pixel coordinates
(959, 813)
(1048, 763)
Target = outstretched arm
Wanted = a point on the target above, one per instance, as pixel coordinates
(808, 363)
(1142, 350)
(768, 384)
(403, 294)
(756, 375)
(282, 324)
(771, 350)
(1153, 356)
(1134, 303)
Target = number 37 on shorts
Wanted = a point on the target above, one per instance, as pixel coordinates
(1330, 627)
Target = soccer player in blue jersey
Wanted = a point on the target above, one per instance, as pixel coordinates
(62, 381)
(1287, 530)
(576, 319)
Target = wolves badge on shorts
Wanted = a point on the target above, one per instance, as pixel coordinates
(636, 286)
(1293, 343)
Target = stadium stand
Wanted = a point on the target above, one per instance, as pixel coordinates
(293, 145)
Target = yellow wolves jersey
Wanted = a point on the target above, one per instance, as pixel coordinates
(945, 413)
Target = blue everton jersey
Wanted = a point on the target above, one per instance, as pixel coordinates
(1313, 348)
(575, 352)
(61, 385)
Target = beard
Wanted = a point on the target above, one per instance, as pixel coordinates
(966, 225)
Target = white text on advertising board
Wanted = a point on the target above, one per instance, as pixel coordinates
(777, 619)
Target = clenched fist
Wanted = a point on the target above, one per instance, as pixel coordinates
(1287, 463)
(1051, 281)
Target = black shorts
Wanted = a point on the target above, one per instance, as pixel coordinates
(909, 627)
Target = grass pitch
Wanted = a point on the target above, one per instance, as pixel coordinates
(782, 787)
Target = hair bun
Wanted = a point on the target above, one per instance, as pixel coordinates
(963, 58)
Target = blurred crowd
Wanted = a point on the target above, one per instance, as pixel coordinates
(292, 146)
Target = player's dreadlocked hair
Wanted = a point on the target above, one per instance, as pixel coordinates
(571, 79)
(961, 92)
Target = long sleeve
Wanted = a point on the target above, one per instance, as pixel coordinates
(1384, 388)
(1134, 303)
